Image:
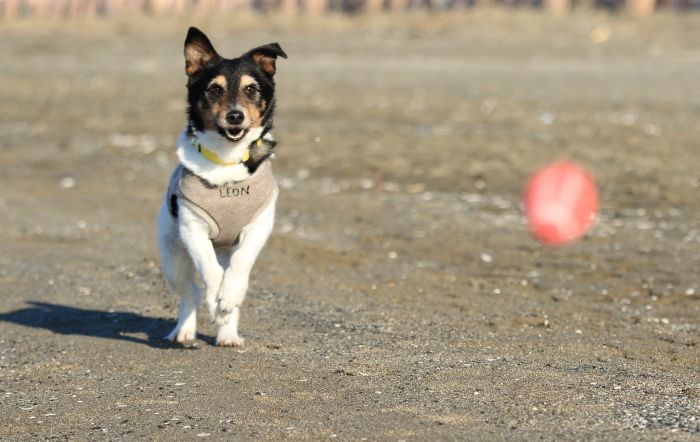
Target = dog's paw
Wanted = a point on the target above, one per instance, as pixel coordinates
(226, 305)
(181, 335)
(222, 340)
(226, 319)
(229, 298)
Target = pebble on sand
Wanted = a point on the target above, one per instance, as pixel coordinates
(68, 182)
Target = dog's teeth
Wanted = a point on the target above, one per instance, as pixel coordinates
(235, 135)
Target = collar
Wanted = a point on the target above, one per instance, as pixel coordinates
(211, 156)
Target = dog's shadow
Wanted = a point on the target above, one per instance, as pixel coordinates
(122, 326)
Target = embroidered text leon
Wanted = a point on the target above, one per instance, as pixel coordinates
(227, 192)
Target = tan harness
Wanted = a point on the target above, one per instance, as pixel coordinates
(227, 208)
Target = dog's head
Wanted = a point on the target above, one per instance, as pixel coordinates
(229, 97)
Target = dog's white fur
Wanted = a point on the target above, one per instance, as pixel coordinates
(186, 249)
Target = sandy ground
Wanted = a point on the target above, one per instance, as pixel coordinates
(400, 297)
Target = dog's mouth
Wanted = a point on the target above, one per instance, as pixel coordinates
(235, 134)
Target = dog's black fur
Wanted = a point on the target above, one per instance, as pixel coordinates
(204, 64)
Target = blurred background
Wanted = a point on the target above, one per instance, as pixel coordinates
(87, 8)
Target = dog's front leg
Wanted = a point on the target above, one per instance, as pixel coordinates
(235, 283)
(194, 232)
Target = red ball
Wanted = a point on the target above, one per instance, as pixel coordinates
(561, 203)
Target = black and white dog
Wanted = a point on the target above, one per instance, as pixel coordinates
(220, 205)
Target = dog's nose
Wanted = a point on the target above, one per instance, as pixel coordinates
(235, 117)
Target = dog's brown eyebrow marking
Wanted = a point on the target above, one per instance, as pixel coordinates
(247, 80)
(219, 81)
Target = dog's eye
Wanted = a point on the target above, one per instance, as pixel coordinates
(215, 90)
(250, 89)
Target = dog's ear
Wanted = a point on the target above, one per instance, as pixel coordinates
(265, 57)
(198, 51)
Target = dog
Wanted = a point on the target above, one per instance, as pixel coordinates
(219, 209)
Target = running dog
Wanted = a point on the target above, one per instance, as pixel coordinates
(219, 208)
